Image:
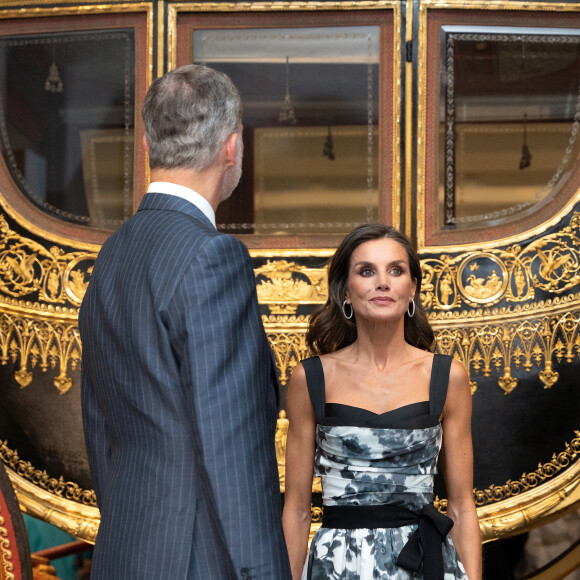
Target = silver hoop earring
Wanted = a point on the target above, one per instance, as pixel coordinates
(411, 312)
(344, 305)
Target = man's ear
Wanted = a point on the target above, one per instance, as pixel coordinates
(145, 144)
(230, 149)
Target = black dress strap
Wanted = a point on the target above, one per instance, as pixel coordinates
(439, 383)
(315, 381)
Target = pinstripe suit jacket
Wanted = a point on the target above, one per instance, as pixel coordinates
(179, 403)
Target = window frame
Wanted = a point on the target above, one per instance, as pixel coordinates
(184, 19)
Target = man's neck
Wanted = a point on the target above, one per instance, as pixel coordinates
(206, 183)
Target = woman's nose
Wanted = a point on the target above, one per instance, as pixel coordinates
(382, 283)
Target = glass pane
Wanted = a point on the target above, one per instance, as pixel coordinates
(66, 122)
(310, 117)
(509, 121)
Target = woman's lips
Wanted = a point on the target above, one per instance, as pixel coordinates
(382, 300)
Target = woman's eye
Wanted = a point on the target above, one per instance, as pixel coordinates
(397, 271)
(366, 272)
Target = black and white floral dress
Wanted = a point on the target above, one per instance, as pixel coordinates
(377, 487)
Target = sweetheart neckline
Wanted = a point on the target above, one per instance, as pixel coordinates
(379, 414)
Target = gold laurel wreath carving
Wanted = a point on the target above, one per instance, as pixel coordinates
(7, 564)
(58, 487)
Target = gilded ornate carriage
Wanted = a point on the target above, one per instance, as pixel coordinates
(456, 121)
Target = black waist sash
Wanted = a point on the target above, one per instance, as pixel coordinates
(424, 544)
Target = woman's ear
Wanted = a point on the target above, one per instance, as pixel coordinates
(145, 144)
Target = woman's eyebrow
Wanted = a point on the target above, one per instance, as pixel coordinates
(392, 263)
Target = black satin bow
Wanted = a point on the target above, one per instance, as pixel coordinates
(424, 545)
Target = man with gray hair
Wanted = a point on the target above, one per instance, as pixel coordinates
(179, 391)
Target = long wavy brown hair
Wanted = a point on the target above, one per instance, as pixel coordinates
(329, 330)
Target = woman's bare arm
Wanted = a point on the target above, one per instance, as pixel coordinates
(457, 461)
(300, 446)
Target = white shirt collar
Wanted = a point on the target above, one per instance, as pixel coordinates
(185, 193)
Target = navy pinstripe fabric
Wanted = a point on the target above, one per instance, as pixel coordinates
(179, 404)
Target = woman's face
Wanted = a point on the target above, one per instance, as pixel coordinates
(380, 286)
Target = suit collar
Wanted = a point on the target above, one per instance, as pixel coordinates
(167, 202)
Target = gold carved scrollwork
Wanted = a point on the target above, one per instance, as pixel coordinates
(316, 514)
(439, 286)
(58, 487)
(482, 349)
(528, 481)
(470, 279)
(27, 268)
(556, 258)
(6, 549)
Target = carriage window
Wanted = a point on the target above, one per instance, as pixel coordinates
(66, 122)
(310, 126)
(509, 120)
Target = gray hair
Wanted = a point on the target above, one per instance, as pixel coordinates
(188, 114)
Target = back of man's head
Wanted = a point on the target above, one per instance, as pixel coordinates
(188, 114)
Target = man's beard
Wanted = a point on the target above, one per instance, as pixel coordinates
(233, 173)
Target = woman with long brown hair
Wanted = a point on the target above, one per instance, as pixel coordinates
(369, 414)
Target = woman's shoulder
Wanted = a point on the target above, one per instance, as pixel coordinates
(458, 390)
(458, 376)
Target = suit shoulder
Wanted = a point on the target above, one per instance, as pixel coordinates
(220, 242)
